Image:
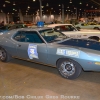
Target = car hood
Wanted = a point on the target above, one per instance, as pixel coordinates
(81, 43)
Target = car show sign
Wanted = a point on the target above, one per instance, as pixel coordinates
(68, 52)
(32, 51)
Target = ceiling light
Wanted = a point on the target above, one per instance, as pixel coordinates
(80, 3)
(70, 1)
(86, 4)
(33, 0)
(14, 4)
(7, 1)
(42, 6)
(28, 7)
(47, 4)
(91, 6)
(1, 10)
(4, 5)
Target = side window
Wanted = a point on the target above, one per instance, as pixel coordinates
(62, 28)
(33, 37)
(28, 36)
(82, 24)
(20, 36)
(92, 24)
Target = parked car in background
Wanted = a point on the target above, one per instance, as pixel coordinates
(87, 26)
(8, 27)
(28, 24)
(70, 31)
(49, 47)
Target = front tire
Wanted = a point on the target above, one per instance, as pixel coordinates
(68, 68)
(4, 56)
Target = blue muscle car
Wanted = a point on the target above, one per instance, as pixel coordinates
(46, 46)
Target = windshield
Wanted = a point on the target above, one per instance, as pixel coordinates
(52, 36)
(65, 28)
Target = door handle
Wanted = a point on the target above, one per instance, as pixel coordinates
(19, 45)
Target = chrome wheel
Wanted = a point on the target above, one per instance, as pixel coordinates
(2, 54)
(67, 68)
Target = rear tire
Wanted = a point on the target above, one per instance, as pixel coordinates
(4, 56)
(68, 68)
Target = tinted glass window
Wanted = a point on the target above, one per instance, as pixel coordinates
(93, 24)
(20, 36)
(33, 37)
(28, 36)
(65, 28)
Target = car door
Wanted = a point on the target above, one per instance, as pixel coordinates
(31, 47)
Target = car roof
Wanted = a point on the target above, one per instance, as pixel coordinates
(54, 25)
(33, 29)
(13, 31)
